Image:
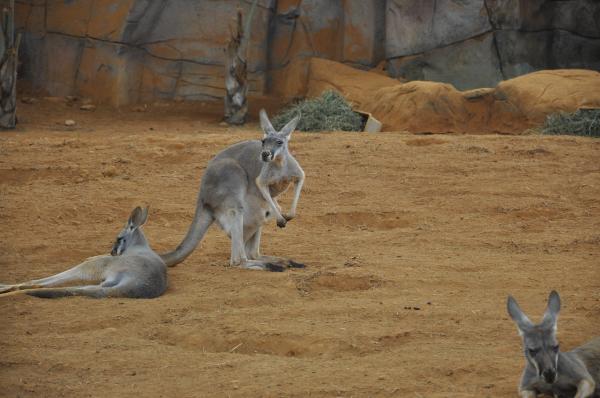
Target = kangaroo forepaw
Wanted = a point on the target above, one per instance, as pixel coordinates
(281, 223)
(294, 264)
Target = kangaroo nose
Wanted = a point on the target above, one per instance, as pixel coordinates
(265, 155)
(549, 376)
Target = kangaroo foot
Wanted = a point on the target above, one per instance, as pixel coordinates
(285, 262)
(294, 264)
(274, 267)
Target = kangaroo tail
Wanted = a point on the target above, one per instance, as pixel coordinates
(202, 220)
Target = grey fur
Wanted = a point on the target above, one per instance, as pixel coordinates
(239, 190)
(132, 270)
(549, 371)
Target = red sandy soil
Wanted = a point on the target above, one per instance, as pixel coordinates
(387, 223)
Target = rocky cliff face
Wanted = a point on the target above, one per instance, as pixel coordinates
(124, 51)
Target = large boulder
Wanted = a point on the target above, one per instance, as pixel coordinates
(420, 106)
(177, 47)
(538, 94)
(525, 52)
(354, 84)
(468, 64)
(416, 26)
(581, 17)
(472, 43)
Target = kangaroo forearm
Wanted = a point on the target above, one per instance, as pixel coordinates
(264, 190)
(297, 191)
(585, 389)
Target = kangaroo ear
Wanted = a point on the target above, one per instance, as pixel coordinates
(289, 128)
(517, 315)
(138, 217)
(265, 123)
(552, 310)
(145, 211)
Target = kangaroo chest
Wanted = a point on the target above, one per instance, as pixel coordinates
(280, 185)
(561, 388)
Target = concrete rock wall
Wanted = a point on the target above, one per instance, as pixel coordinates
(126, 51)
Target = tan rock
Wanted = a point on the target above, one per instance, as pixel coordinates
(420, 106)
(68, 17)
(354, 84)
(88, 107)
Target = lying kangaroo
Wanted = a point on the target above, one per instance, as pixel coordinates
(132, 270)
(239, 190)
(548, 371)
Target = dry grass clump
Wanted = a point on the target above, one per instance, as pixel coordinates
(584, 122)
(329, 112)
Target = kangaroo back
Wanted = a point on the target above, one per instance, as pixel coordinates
(589, 354)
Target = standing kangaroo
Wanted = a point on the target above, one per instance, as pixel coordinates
(238, 190)
(132, 270)
(548, 371)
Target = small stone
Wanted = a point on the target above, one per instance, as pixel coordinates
(71, 98)
(88, 107)
(110, 171)
(70, 122)
(224, 124)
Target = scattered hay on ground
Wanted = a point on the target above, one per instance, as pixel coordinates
(584, 122)
(329, 112)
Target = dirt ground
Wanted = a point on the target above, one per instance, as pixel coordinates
(412, 244)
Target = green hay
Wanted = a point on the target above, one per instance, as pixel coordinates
(329, 112)
(584, 122)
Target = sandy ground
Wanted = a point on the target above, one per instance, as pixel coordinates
(412, 244)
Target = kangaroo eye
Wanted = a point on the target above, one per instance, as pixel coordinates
(533, 351)
(263, 141)
(279, 142)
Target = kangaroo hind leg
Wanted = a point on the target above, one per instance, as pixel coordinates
(93, 291)
(253, 251)
(88, 271)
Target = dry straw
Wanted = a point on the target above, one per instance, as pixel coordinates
(329, 112)
(584, 122)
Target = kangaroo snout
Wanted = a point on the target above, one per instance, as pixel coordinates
(549, 375)
(116, 249)
(266, 156)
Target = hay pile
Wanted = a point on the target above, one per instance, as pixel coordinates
(329, 112)
(584, 122)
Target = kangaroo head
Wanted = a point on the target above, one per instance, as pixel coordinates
(131, 234)
(539, 341)
(275, 142)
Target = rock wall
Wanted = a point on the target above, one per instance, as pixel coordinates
(126, 51)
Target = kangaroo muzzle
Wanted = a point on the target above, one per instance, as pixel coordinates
(266, 156)
(117, 248)
(549, 375)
